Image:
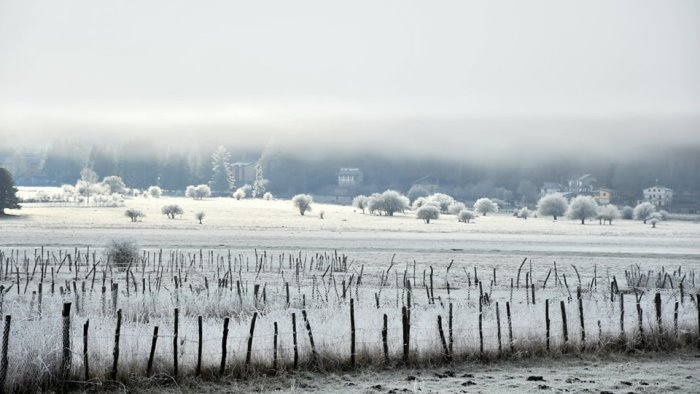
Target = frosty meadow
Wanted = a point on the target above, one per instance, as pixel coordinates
(259, 290)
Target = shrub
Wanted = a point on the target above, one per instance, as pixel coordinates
(375, 203)
(552, 205)
(393, 201)
(455, 208)
(189, 191)
(199, 216)
(419, 202)
(627, 212)
(582, 208)
(267, 196)
(664, 214)
(242, 192)
(643, 211)
(134, 214)
(322, 215)
(155, 191)
(523, 213)
(115, 183)
(171, 210)
(428, 213)
(360, 202)
(303, 203)
(485, 205)
(202, 191)
(122, 253)
(654, 218)
(466, 216)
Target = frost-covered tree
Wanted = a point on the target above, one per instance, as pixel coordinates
(654, 218)
(552, 205)
(664, 214)
(466, 216)
(442, 200)
(259, 184)
(417, 191)
(360, 202)
(455, 208)
(242, 192)
(394, 202)
(608, 213)
(222, 179)
(582, 208)
(303, 203)
(189, 191)
(199, 216)
(201, 191)
(88, 177)
(643, 211)
(122, 253)
(627, 212)
(115, 183)
(134, 214)
(419, 202)
(267, 196)
(155, 191)
(428, 213)
(523, 213)
(485, 205)
(171, 210)
(375, 203)
(8, 192)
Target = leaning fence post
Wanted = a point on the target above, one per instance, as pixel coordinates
(66, 358)
(5, 345)
(149, 366)
(222, 367)
(442, 338)
(352, 333)
(563, 324)
(115, 352)
(250, 339)
(311, 337)
(86, 326)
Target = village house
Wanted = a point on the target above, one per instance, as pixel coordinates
(658, 195)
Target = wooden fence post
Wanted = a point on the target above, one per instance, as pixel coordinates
(66, 357)
(222, 367)
(250, 339)
(481, 329)
(175, 337)
(115, 352)
(564, 325)
(406, 338)
(498, 325)
(546, 320)
(442, 338)
(5, 346)
(510, 327)
(86, 326)
(580, 313)
(385, 343)
(294, 340)
(311, 337)
(622, 315)
(198, 371)
(274, 346)
(449, 328)
(352, 333)
(657, 304)
(151, 355)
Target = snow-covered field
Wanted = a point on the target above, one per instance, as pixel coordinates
(234, 236)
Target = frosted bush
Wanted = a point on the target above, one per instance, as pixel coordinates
(466, 216)
(455, 208)
(155, 191)
(485, 206)
(428, 213)
(303, 203)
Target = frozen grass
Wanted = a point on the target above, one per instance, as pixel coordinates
(36, 330)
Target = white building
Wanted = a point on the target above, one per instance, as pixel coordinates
(658, 195)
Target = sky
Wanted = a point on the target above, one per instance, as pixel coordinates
(454, 78)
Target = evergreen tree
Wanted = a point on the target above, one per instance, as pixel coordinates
(259, 184)
(8, 192)
(222, 178)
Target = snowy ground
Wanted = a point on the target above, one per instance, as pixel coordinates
(588, 373)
